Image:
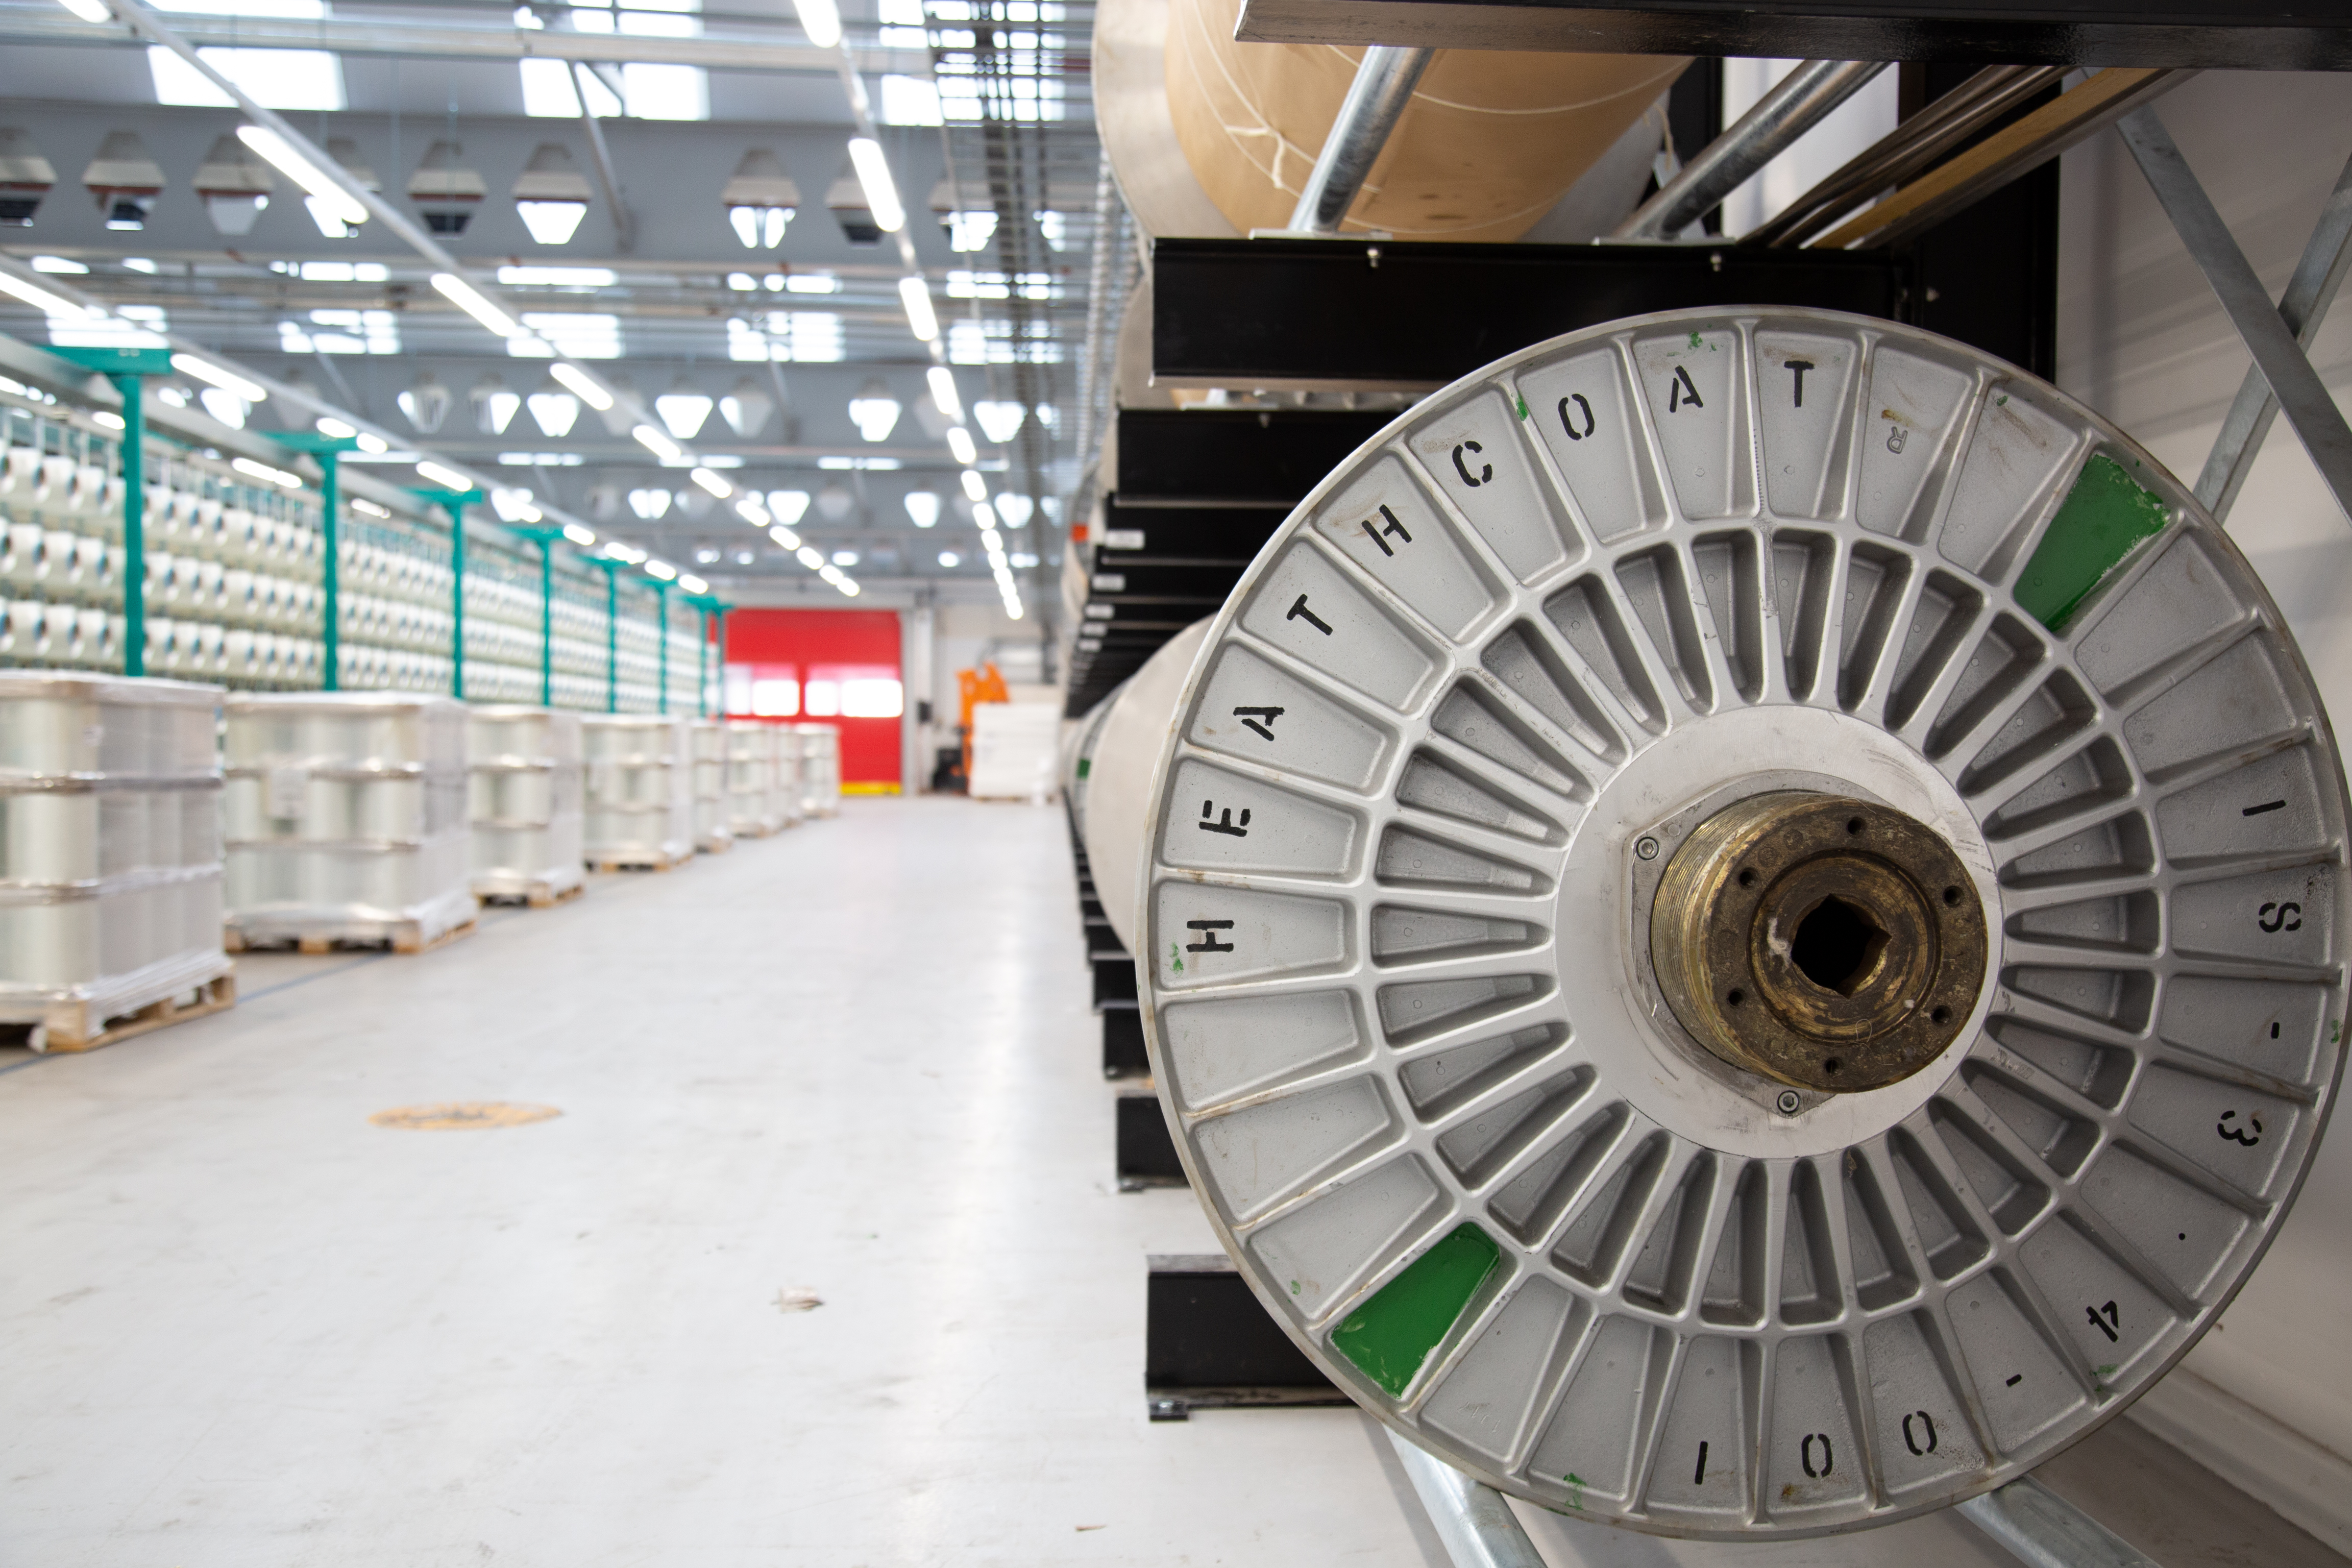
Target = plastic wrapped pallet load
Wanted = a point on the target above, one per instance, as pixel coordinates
(346, 819)
(523, 767)
(820, 769)
(714, 770)
(640, 790)
(755, 805)
(792, 797)
(1015, 747)
(109, 857)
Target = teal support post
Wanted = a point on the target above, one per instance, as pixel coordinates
(711, 611)
(128, 369)
(545, 539)
(134, 524)
(612, 631)
(328, 449)
(546, 623)
(718, 650)
(661, 644)
(455, 503)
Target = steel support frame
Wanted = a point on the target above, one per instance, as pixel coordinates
(2275, 341)
(2252, 35)
(2034, 1524)
(2317, 275)
(1801, 101)
(1294, 313)
(608, 178)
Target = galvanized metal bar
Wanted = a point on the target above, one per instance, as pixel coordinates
(608, 178)
(2303, 308)
(142, 20)
(2007, 155)
(1385, 78)
(1906, 151)
(1802, 99)
(2043, 1530)
(1476, 1525)
(2277, 355)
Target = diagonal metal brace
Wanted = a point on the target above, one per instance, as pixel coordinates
(2042, 1530)
(2279, 359)
(2304, 307)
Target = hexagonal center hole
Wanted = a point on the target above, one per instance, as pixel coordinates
(1837, 945)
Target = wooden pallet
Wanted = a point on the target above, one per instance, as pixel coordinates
(639, 863)
(400, 936)
(67, 1027)
(538, 894)
(715, 845)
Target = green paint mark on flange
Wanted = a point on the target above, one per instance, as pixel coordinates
(2104, 517)
(1523, 408)
(1391, 1332)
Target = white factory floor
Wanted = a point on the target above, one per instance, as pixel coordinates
(242, 1327)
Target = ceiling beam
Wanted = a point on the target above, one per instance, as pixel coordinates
(441, 40)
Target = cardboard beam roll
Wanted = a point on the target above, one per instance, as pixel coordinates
(1488, 147)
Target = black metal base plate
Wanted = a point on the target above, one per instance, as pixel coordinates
(1209, 1344)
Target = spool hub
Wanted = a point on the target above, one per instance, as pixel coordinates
(1446, 905)
(1818, 941)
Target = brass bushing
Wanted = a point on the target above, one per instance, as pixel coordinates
(1818, 941)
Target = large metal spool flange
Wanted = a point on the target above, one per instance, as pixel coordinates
(1633, 592)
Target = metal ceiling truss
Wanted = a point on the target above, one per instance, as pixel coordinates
(1021, 64)
(734, 48)
(685, 318)
(675, 175)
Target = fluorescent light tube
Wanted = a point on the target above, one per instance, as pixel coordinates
(874, 178)
(471, 300)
